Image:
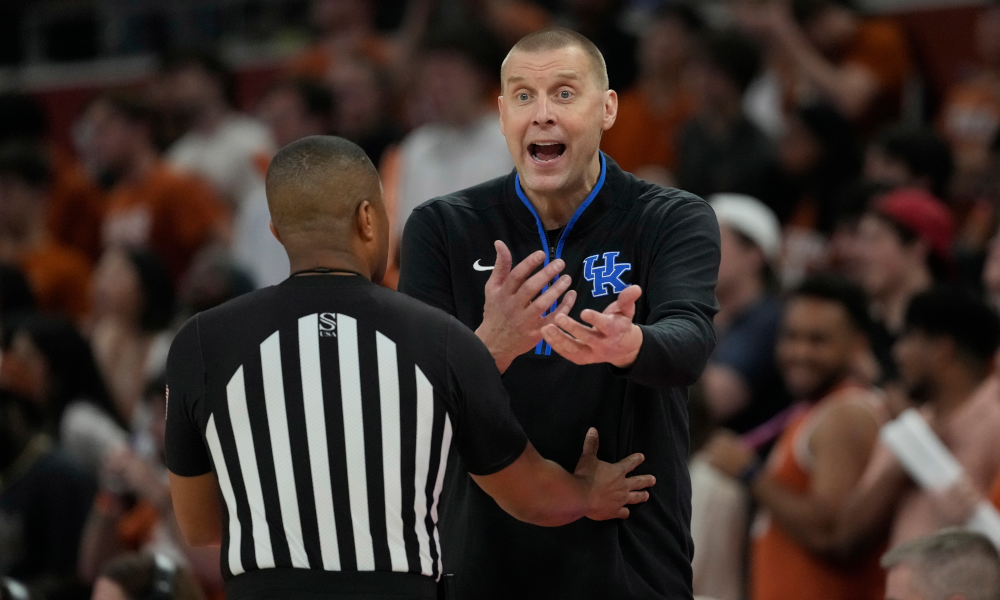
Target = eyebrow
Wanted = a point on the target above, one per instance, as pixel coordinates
(573, 75)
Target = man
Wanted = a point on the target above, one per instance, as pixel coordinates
(325, 409)
(59, 275)
(910, 156)
(821, 455)
(568, 206)
(742, 386)
(944, 355)
(952, 564)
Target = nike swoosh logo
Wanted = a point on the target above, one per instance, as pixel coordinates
(480, 267)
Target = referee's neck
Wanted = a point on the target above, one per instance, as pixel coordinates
(336, 260)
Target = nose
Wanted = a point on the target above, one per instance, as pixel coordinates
(544, 115)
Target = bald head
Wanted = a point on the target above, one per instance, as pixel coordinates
(557, 38)
(316, 184)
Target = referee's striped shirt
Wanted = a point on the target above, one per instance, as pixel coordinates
(327, 407)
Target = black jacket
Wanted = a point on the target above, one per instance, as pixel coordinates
(667, 242)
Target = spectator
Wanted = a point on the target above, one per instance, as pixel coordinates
(362, 108)
(820, 159)
(222, 146)
(719, 150)
(151, 205)
(910, 156)
(651, 113)
(144, 576)
(904, 242)
(952, 564)
(294, 109)
(346, 31)
(600, 21)
(970, 115)
(820, 456)
(859, 65)
(44, 497)
(133, 310)
(133, 510)
(59, 275)
(461, 144)
(742, 385)
(212, 280)
(75, 205)
(49, 363)
(944, 358)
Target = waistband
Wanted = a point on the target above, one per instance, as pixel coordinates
(312, 584)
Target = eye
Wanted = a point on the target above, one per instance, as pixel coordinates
(565, 94)
(523, 97)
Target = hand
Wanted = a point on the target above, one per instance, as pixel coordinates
(512, 315)
(614, 338)
(727, 453)
(956, 504)
(609, 488)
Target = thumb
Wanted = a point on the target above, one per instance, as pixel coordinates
(590, 443)
(625, 304)
(502, 265)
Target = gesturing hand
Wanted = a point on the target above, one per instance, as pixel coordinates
(512, 315)
(610, 489)
(613, 337)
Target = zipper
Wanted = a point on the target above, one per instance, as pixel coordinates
(553, 253)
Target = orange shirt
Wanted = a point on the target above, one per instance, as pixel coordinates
(881, 48)
(59, 278)
(173, 214)
(643, 135)
(781, 569)
(76, 207)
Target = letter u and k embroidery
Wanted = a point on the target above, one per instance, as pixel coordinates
(608, 275)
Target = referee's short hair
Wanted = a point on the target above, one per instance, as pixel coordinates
(556, 38)
(317, 183)
(951, 562)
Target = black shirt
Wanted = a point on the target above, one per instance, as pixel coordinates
(326, 406)
(628, 231)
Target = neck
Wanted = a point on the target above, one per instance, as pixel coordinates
(556, 208)
(892, 306)
(735, 298)
(337, 260)
(955, 386)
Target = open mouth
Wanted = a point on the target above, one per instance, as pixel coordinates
(546, 152)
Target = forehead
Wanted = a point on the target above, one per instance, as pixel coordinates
(816, 313)
(548, 65)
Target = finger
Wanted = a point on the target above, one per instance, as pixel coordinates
(601, 322)
(622, 513)
(523, 269)
(563, 344)
(591, 442)
(625, 303)
(501, 266)
(640, 482)
(637, 497)
(567, 303)
(543, 302)
(631, 462)
(530, 288)
(581, 332)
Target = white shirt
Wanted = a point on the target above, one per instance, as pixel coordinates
(254, 247)
(226, 157)
(438, 159)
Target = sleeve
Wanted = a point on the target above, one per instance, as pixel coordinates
(425, 272)
(679, 335)
(186, 453)
(486, 433)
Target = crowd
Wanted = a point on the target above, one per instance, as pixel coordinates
(859, 275)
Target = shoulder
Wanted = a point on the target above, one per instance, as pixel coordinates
(654, 198)
(852, 412)
(472, 199)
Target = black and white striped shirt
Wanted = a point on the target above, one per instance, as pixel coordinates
(326, 407)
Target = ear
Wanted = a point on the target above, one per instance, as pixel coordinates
(610, 109)
(274, 232)
(366, 221)
(500, 106)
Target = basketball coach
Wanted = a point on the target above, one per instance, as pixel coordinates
(633, 267)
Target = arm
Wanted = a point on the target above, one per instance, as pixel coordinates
(867, 512)
(196, 505)
(673, 345)
(539, 491)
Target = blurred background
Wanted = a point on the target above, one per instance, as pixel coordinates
(859, 140)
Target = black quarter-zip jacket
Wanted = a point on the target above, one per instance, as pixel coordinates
(627, 231)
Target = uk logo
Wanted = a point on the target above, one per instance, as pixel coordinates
(607, 275)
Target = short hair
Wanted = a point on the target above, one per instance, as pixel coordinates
(836, 290)
(735, 54)
(557, 38)
(26, 162)
(951, 562)
(298, 183)
(134, 573)
(950, 311)
(922, 150)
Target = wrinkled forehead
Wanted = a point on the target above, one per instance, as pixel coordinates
(547, 67)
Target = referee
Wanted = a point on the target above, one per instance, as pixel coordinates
(324, 409)
(634, 328)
